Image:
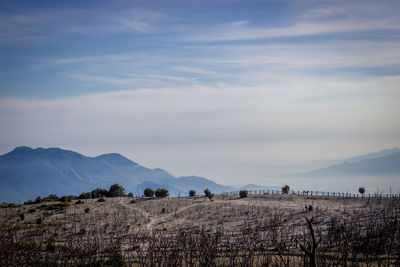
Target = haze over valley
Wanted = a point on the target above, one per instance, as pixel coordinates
(26, 173)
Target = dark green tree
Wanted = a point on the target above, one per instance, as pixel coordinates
(38, 200)
(52, 197)
(68, 198)
(192, 193)
(361, 190)
(86, 195)
(148, 192)
(162, 192)
(98, 193)
(29, 202)
(208, 193)
(243, 193)
(116, 190)
(285, 189)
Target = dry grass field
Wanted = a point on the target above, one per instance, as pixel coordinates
(260, 230)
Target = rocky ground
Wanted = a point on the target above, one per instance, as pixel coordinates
(273, 227)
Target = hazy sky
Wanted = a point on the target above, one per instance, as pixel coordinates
(232, 90)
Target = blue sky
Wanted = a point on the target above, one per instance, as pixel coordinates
(223, 89)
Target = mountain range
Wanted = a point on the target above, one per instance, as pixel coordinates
(26, 173)
(384, 163)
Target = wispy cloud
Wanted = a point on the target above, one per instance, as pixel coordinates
(328, 19)
(141, 21)
(244, 64)
(47, 24)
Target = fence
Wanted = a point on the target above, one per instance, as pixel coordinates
(315, 193)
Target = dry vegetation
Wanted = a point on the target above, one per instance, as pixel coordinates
(260, 230)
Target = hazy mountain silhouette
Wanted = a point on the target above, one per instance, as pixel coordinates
(26, 173)
(370, 164)
(374, 155)
(250, 187)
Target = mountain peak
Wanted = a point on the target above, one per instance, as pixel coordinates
(115, 158)
(21, 149)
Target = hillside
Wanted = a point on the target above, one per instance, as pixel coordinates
(26, 173)
(259, 230)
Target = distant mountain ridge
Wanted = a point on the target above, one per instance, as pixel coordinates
(26, 173)
(253, 187)
(386, 162)
(383, 153)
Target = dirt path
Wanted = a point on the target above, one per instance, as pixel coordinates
(170, 216)
(160, 218)
(146, 214)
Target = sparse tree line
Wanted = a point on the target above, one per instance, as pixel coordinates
(115, 190)
(160, 192)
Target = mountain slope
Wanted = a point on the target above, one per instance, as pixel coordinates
(383, 153)
(386, 165)
(26, 173)
(186, 183)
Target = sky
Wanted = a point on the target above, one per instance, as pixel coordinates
(236, 91)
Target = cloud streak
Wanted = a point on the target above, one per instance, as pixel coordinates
(346, 18)
(41, 25)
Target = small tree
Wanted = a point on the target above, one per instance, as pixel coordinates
(38, 200)
(29, 202)
(148, 192)
(68, 198)
(161, 192)
(130, 195)
(98, 193)
(208, 193)
(116, 190)
(361, 190)
(192, 193)
(52, 197)
(285, 189)
(86, 195)
(243, 193)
